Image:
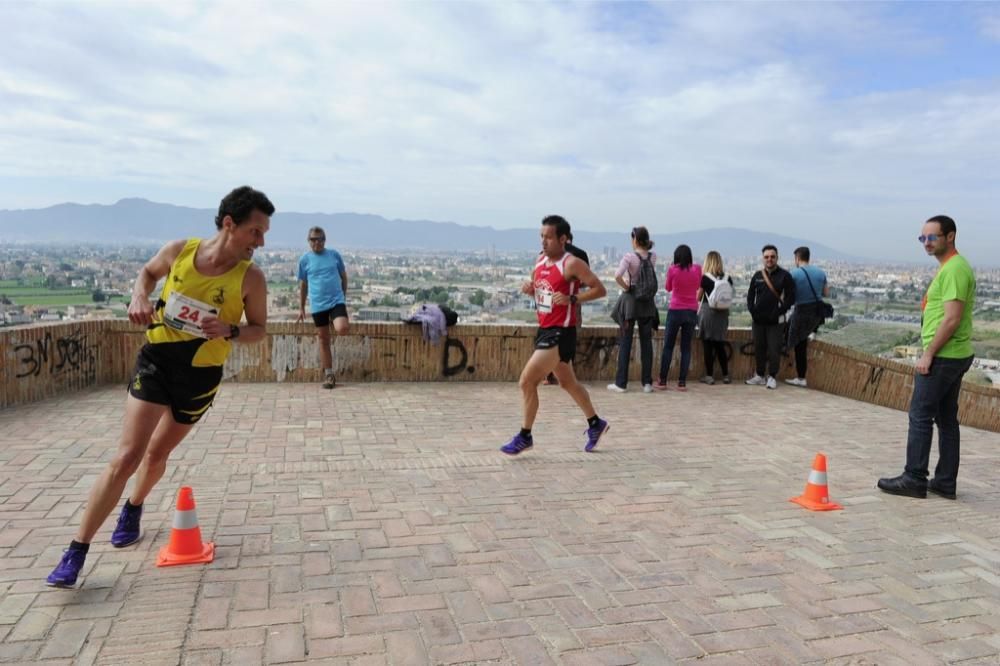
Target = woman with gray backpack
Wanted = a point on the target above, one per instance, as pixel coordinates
(636, 275)
(715, 297)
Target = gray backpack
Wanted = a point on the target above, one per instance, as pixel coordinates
(645, 286)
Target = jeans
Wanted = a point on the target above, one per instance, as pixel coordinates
(935, 399)
(713, 349)
(683, 321)
(645, 351)
(767, 348)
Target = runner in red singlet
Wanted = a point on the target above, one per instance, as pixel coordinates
(556, 285)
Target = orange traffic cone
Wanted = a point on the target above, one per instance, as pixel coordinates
(185, 545)
(816, 496)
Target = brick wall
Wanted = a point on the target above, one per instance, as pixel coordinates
(46, 361)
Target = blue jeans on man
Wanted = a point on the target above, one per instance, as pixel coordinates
(935, 400)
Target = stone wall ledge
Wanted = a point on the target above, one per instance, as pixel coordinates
(43, 361)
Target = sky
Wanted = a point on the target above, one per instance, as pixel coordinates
(846, 123)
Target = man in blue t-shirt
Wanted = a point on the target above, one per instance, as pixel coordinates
(810, 289)
(323, 277)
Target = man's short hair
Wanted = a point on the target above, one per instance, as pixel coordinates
(316, 230)
(560, 223)
(768, 247)
(240, 205)
(802, 253)
(947, 224)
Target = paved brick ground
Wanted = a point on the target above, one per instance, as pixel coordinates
(378, 524)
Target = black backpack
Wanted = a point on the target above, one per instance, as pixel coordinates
(646, 285)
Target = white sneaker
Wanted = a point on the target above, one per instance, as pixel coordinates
(647, 388)
(614, 388)
(772, 383)
(756, 380)
(795, 381)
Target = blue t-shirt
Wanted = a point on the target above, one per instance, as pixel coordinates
(803, 294)
(321, 271)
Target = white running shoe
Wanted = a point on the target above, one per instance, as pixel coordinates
(772, 383)
(796, 382)
(756, 380)
(614, 388)
(647, 388)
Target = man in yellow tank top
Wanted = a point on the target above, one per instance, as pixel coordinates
(210, 285)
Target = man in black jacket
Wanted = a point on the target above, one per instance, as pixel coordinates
(771, 294)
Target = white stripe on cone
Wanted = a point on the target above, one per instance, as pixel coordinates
(185, 520)
(817, 478)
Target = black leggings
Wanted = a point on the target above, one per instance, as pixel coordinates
(801, 358)
(713, 349)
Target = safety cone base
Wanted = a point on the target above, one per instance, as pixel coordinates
(168, 559)
(813, 505)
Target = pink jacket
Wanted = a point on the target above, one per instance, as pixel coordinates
(683, 286)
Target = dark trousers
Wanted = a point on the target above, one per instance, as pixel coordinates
(802, 358)
(935, 400)
(712, 350)
(645, 351)
(683, 321)
(767, 348)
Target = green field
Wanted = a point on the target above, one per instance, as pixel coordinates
(11, 292)
(53, 297)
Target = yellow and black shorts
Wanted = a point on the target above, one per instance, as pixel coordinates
(163, 375)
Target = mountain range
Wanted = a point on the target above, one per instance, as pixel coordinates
(138, 221)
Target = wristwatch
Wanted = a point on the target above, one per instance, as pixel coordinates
(572, 299)
(234, 332)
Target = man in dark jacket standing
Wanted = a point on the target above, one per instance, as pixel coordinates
(771, 294)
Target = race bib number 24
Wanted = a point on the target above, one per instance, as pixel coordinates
(186, 314)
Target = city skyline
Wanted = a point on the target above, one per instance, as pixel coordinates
(847, 123)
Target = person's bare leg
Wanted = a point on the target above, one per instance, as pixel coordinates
(541, 363)
(169, 433)
(568, 382)
(325, 356)
(141, 419)
(341, 325)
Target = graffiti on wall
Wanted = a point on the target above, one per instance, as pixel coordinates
(874, 380)
(595, 351)
(449, 368)
(291, 352)
(66, 355)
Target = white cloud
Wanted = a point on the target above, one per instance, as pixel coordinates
(676, 116)
(990, 26)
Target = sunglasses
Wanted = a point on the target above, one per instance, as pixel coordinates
(929, 238)
(317, 239)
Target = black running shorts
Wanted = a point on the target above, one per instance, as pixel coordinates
(161, 378)
(323, 318)
(564, 338)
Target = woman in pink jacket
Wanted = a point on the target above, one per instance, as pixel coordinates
(683, 281)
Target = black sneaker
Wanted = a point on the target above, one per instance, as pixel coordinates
(941, 492)
(903, 485)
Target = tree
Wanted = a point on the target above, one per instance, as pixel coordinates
(479, 298)
(98, 296)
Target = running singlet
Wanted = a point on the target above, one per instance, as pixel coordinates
(187, 297)
(549, 280)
